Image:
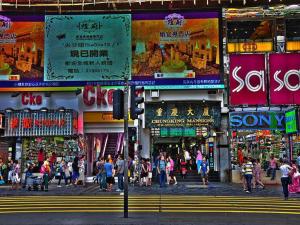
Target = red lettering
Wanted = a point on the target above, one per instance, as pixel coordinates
(30, 99)
(27, 122)
(110, 96)
(25, 100)
(101, 96)
(14, 123)
(86, 99)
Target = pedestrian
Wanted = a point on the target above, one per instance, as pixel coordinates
(199, 160)
(204, 171)
(161, 170)
(71, 171)
(109, 174)
(149, 170)
(257, 174)
(298, 161)
(2, 171)
(16, 179)
(75, 171)
(41, 158)
(168, 168)
(10, 171)
(81, 166)
(61, 173)
(272, 167)
(285, 170)
(120, 172)
(101, 174)
(244, 182)
(67, 173)
(28, 173)
(183, 168)
(172, 175)
(144, 173)
(294, 186)
(248, 168)
(45, 172)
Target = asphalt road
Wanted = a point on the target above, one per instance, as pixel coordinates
(151, 209)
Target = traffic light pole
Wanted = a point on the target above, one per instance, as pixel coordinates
(126, 89)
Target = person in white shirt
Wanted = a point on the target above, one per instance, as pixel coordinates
(285, 170)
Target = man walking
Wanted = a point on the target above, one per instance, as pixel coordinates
(248, 168)
(120, 171)
(161, 170)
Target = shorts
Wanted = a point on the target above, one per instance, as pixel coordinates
(149, 175)
(171, 174)
(204, 175)
(109, 180)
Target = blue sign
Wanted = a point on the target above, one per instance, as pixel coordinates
(257, 120)
(87, 47)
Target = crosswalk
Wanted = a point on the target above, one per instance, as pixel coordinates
(149, 204)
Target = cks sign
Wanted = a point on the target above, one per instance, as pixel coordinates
(247, 79)
(284, 78)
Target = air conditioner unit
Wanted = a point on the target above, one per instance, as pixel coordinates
(154, 93)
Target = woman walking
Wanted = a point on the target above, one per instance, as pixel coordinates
(257, 174)
(75, 171)
(294, 187)
(199, 160)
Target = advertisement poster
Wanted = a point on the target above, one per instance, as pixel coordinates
(176, 49)
(284, 78)
(247, 79)
(87, 47)
(21, 49)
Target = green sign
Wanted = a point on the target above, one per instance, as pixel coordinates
(178, 132)
(291, 125)
(87, 47)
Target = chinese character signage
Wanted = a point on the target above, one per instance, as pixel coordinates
(248, 80)
(176, 49)
(21, 49)
(211, 159)
(38, 123)
(87, 47)
(284, 78)
(184, 115)
(255, 120)
(291, 121)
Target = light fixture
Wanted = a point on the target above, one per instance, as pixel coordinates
(44, 109)
(8, 110)
(78, 91)
(16, 94)
(61, 109)
(26, 109)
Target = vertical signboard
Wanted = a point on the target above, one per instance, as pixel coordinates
(87, 47)
(247, 79)
(291, 121)
(211, 155)
(284, 78)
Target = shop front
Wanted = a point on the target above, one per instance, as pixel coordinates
(259, 135)
(52, 131)
(103, 134)
(176, 127)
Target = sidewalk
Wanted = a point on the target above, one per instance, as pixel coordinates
(213, 189)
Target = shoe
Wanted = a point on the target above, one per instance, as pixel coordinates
(118, 190)
(247, 191)
(122, 193)
(175, 183)
(58, 185)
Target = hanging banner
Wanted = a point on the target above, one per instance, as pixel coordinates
(284, 78)
(87, 47)
(247, 79)
(38, 123)
(176, 49)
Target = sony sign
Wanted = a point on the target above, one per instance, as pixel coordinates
(269, 120)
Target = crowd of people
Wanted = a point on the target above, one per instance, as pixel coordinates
(290, 175)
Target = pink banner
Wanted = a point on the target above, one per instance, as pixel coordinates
(247, 79)
(284, 78)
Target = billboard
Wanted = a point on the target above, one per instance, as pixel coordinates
(291, 121)
(21, 49)
(176, 49)
(247, 79)
(284, 78)
(87, 47)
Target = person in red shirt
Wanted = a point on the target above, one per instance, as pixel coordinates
(41, 157)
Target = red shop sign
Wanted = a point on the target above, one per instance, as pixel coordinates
(247, 79)
(98, 95)
(284, 78)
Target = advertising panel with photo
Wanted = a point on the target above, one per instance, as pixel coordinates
(284, 78)
(21, 49)
(176, 49)
(247, 79)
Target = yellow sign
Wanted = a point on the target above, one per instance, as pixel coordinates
(100, 117)
(293, 46)
(250, 47)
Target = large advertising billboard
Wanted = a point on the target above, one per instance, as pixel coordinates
(21, 49)
(247, 79)
(284, 78)
(176, 49)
